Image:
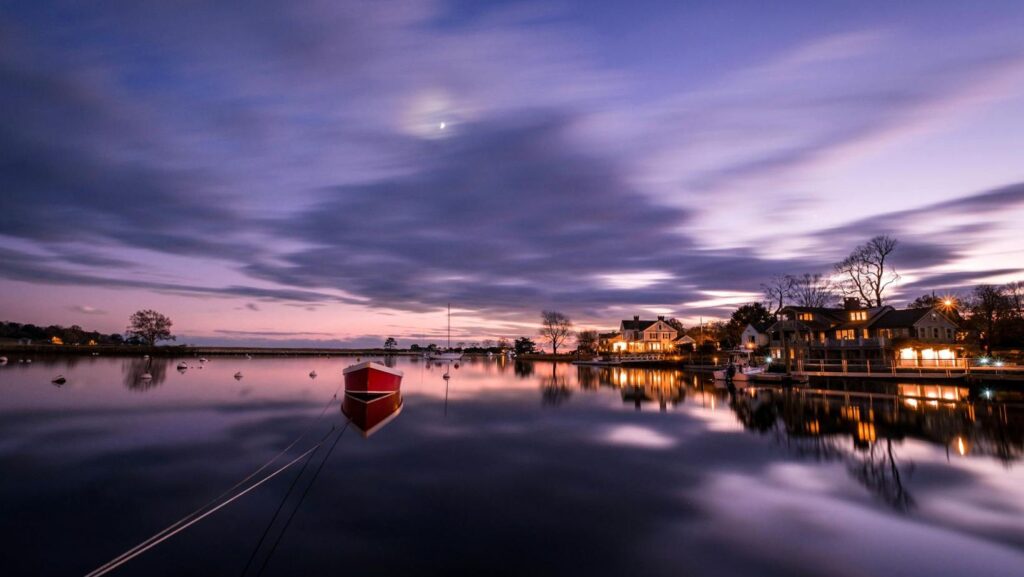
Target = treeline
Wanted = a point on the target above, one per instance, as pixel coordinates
(73, 335)
(993, 315)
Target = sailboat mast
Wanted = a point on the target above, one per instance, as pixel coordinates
(449, 326)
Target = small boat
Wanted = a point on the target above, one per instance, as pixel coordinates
(742, 374)
(238, 376)
(146, 377)
(182, 365)
(372, 395)
(371, 377)
(60, 380)
(312, 374)
(3, 360)
(448, 354)
(203, 360)
(145, 357)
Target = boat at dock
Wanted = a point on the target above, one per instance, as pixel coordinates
(740, 367)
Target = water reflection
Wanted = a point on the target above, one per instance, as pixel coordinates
(144, 374)
(863, 412)
(788, 481)
(554, 386)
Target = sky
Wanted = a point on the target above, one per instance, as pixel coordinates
(333, 173)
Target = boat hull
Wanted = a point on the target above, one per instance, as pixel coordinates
(371, 377)
(723, 376)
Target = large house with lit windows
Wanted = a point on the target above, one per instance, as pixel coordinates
(642, 336)
(909, 337)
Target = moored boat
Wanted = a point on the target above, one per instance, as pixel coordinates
(371, 377)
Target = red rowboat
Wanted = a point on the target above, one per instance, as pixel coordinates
(371, 377)
(372, 395)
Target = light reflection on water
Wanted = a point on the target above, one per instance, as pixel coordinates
(513, 468)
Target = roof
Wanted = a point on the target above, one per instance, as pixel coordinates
(632, 325)
(610, 335)
(904, 318)
(760, 327)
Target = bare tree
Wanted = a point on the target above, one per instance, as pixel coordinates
(812, 290)
(866, 272)
(1014, 291)
(150, 326)
(989, 307)
(777, 291)
(556, 328)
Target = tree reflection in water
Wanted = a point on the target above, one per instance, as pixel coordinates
(134, 368)
(554, 387)
(860, 424)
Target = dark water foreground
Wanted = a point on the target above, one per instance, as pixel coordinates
(528, 469)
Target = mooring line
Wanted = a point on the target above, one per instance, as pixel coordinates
(280, 535)
(280, 506)
(145, 545)
(114, 565)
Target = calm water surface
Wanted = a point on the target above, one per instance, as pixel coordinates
(524, 469)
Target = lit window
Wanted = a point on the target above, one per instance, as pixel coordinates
(859, 316)
(806, 317)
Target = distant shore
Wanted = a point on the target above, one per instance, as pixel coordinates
(186, 351)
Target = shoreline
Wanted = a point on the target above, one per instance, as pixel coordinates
(187, 351)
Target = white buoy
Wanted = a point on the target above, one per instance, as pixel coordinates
(60, 380)
(312, 374)
(29, 361)
(145, 356)
(238, 376)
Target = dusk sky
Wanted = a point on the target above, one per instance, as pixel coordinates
(336, 172)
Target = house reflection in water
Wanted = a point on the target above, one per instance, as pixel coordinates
(814, 420)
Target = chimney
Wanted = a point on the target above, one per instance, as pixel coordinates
(851, 303)
(661, 317)
(636, 318)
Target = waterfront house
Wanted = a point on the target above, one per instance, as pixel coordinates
(754, 336)
(607, 341)
(685, 341)
(644, 336)
(909, 337)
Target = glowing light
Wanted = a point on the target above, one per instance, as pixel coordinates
(961, 447)
(443, 125)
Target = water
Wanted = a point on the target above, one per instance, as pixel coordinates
(524, 469)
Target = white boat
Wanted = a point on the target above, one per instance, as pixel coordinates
(740, 360)
(742, 374)
(448, 354)
(182, 365)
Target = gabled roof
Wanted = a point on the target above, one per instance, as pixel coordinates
(632, 325)
(610, 335)
(759, 327)
(905, 318)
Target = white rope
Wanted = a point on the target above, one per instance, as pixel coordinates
(156, 538)
(142, 548)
